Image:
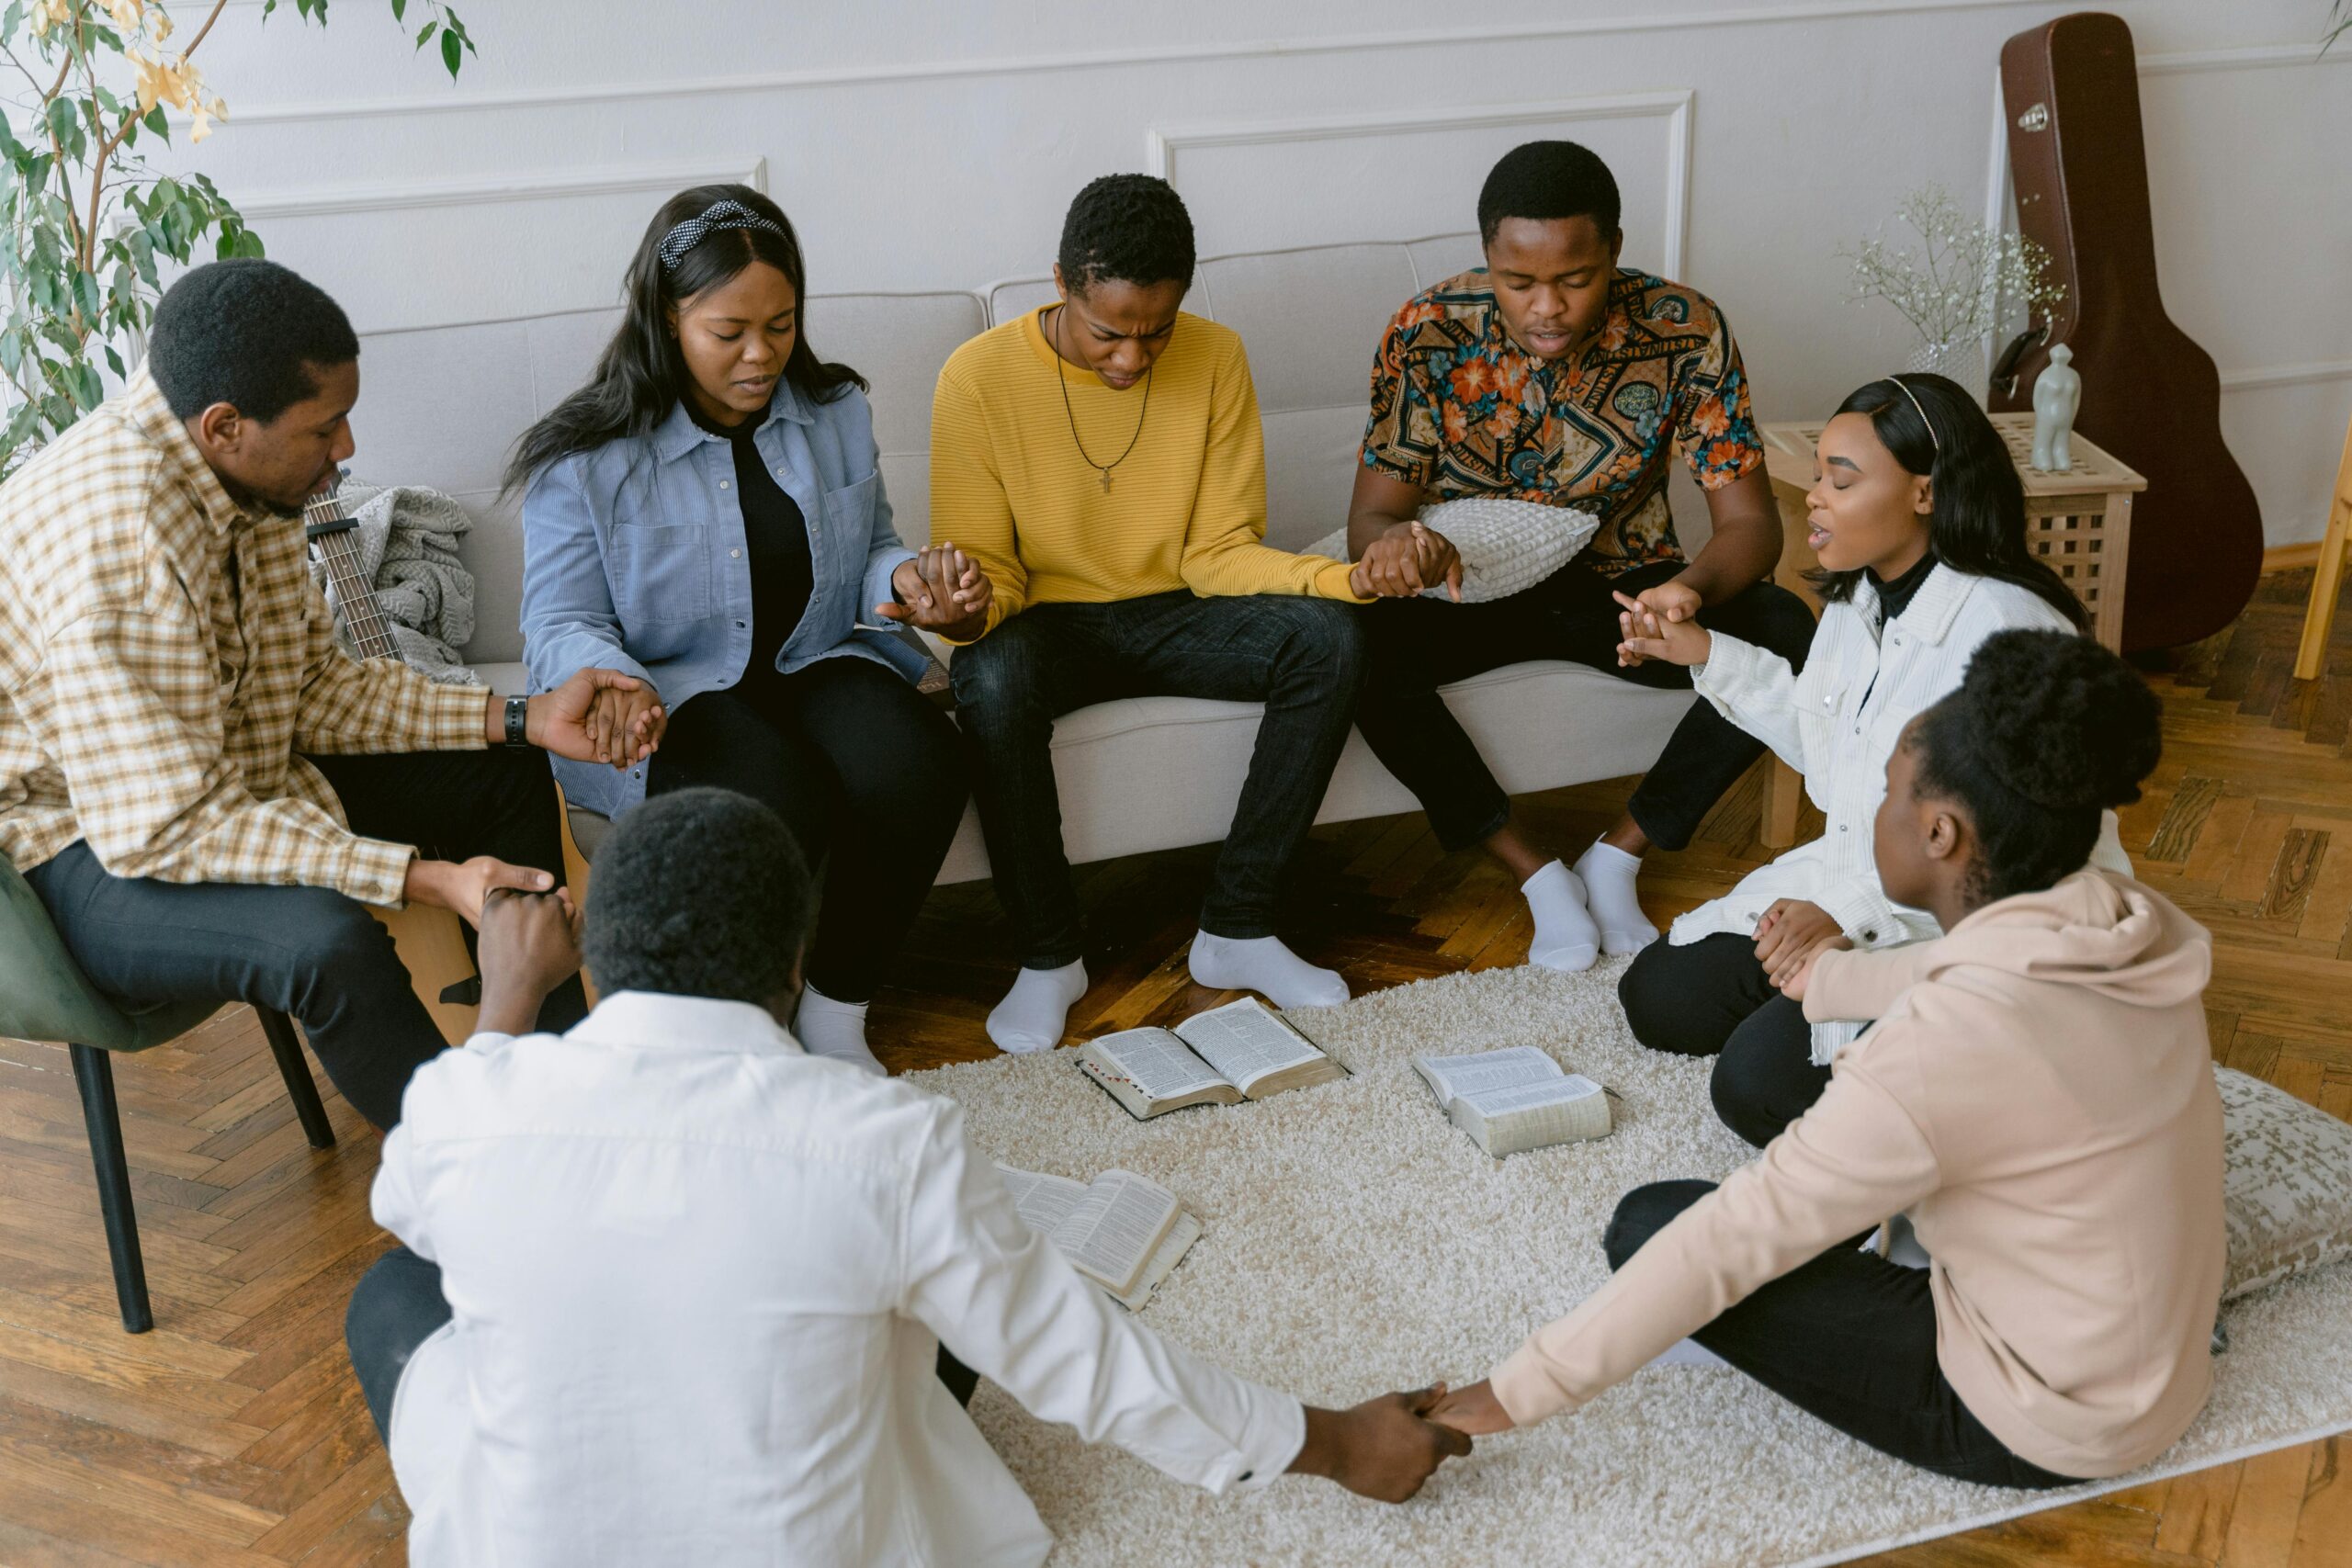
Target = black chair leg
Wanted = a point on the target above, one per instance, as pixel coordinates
(94, 1074)
(299, 1088)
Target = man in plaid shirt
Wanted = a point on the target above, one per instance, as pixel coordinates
(203, 789)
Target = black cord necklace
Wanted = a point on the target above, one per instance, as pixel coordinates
(1061, 374)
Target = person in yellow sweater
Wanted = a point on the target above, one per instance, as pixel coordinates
(2037, 1095)
(1101, 459)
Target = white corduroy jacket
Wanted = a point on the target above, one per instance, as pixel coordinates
(1837, 723)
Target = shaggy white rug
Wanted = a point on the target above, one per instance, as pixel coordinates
(1355, 1242)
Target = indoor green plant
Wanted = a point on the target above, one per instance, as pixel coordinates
(88, 219)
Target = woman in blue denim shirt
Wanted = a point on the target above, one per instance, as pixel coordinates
(706, 515)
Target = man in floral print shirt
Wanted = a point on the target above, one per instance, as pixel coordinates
(1551, 375)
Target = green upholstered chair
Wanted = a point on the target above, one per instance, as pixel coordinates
(45, 996)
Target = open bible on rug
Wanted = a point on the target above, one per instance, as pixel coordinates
(1516, 1099)
(1123, 1231)
(1241, 1051)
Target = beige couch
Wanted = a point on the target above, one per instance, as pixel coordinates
(441, 406)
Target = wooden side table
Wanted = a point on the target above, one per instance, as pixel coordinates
(2078, 521)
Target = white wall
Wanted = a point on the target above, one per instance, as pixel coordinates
(935, 145)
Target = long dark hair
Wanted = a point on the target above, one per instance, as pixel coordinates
(1978, 523)
(641, 374)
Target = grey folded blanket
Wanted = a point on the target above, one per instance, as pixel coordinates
(408, 538)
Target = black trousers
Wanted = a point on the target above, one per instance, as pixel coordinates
(865, 772)
(1302, 658)
(398, 1305)
(310, 952)
(1415, 646)
(1848, 1337)
(1711, 999)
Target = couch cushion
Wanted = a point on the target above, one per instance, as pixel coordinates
(1143, 773)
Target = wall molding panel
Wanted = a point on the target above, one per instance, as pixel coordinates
(1164, 147)
(615, 179)
(572, 96)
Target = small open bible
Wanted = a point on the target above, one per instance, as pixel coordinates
(1240, 1051)
(1120, 1230)
(1516, 1099)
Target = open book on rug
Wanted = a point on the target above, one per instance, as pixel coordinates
(1123, 1231)
(1241, 1051)
(1516, 1099)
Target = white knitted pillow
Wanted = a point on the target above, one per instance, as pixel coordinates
(1506, 547)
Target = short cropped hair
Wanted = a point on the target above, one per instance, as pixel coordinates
(1548, 180)
(699, 893)
(246, 332)
(1128, 228)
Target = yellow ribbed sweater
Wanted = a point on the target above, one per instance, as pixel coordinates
(1186, 508)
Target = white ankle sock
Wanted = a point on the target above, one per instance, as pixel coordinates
(1565, 938)
(827, 1028)
(1263, 965)
(1035, 1011)
(1607, 875)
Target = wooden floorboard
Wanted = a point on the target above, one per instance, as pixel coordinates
(233, 1434)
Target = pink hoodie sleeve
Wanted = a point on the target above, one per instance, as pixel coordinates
(1857, 986)
(1856, 1157)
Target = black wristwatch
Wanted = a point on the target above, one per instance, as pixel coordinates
(518, 710)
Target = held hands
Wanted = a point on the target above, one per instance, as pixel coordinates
(1474, 1410)
(1406, 558)
(530, 944)
(1662, 622)
(1790, 936)
(463, 886)
(560, 721)
(1383, 1448)
(942, 589)
(625, 727)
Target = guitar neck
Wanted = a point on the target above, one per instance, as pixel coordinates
(349, 593)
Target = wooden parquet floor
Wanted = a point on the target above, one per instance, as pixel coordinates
(233, 1434)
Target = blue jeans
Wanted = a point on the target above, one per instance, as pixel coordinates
(1303, 657)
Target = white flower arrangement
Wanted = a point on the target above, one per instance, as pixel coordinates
(1951, 285)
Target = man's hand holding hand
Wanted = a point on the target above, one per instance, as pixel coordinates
(942, 589)
(557, 721)
(1406, 560)
(1666, 630)
(462, 884)
(1383, 1448)
(530, 944)
(624, 724)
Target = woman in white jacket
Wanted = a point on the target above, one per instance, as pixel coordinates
(1918, 521)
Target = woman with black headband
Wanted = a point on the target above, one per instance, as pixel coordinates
(707, 516)
(1917, 519)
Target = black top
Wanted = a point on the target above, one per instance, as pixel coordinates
(1895, 597)
(775, 537)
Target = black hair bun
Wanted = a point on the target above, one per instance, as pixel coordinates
(2061, 720)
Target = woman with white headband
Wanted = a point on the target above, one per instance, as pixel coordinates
(707, 516)
(1917, 518)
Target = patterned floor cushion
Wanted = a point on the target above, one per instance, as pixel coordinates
(2287, 1180)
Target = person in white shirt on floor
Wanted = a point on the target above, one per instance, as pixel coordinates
(1917, 518)
(673, 1289)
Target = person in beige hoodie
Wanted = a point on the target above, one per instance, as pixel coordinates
(2036, 1095)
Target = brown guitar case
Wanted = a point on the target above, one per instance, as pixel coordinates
(2150, 395)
